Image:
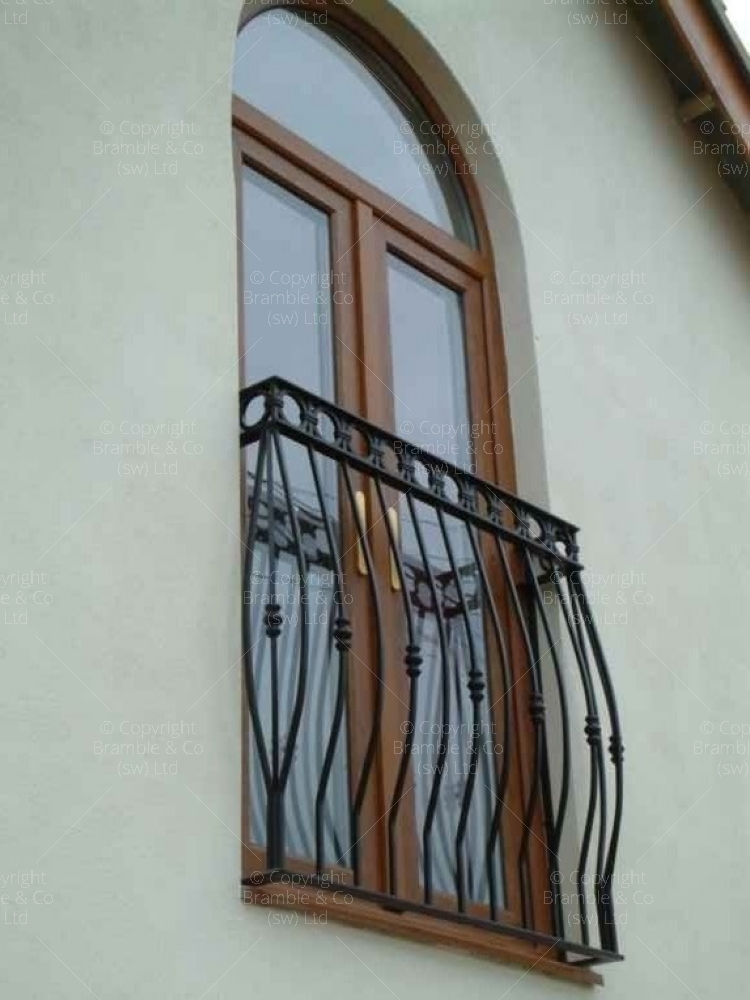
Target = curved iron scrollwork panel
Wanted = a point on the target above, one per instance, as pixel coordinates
(453, 751)
(507, 794)
(291, 605)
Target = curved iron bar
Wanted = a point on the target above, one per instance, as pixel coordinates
(571, 625)
(373, 739)
(342, 636)
(502, 780)
(247, 644)
(592, 731)
(437, 781)
(275, 821)
(413, 663)
(476, 685)
(595, 736)
(536, 713)
(299, 702)
(322, 658)
(558, 816)
(433, 698)
(608, 929)
(292, 793)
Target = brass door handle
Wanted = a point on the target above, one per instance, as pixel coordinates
(362, 526)
(361, 518)
(395, 533)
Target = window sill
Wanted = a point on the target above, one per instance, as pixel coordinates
(318, 905)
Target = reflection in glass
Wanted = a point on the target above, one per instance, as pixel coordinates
(320, 82)
(288, 332)
(429, 366)
(302, 582)
(432, 410)
(286, 289)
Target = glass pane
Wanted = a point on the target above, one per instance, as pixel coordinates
(304, 585)
(288, 332)
(429, 367)
(314, 82)
(432, 410)
(286, 287)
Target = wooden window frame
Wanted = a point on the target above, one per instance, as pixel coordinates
(722, 66)
(367, 226)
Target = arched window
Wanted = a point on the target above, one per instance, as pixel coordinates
(321, 82)
(356, 225)
(389, 653)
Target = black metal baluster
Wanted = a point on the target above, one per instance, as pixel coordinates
(377, 715)
(296, 717)
(536, 714)
(275, 833)
(608, 928)
(322, 658)
(254, 627)
(476, 685)
(408, 470)
(247, 638)
(296, 826)
(342, 636)
(413, 663)
(592, 732)
(557, 816)
(569, 618)
(545, 781)
(502, 779)
(596, 735)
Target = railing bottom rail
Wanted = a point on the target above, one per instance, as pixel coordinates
(289, 879)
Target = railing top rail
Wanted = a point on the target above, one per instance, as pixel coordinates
(478, 500)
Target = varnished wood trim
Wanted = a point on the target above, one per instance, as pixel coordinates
(317, 905)
(339, 12)
(288, 172)
(256, 124)
(426, 259)
(504, 473)
(719, 65)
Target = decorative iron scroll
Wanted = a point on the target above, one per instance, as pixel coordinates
(504, 795)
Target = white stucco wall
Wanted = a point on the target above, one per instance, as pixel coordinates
(142, 571)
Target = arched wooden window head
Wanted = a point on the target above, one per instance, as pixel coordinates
(339, 143)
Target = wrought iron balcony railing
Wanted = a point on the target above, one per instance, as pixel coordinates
(427, 690)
